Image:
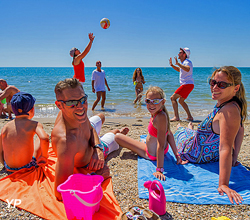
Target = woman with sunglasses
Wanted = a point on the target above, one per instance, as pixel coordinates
(159, 133)
(220, 135)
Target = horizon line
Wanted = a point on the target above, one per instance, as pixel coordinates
(109, 67)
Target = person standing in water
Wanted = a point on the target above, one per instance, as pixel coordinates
(138, 80)
(186, 81)
(77, 62)
(98, 85)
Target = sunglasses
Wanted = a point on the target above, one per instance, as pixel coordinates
(74, 103)
(153, 101)
(220, 84)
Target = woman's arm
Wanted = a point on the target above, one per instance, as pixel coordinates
(229, 121)
(78, 58)
(237, 145)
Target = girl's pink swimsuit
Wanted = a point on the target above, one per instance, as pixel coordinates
(153, 132)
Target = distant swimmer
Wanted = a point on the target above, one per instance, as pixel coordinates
(77, 62)
(138, 80)
(186, 81)
(8, 92)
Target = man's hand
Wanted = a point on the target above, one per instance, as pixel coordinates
(93, 90)
(104, 172)
(170, 61)
(176, 61)
(97, 160)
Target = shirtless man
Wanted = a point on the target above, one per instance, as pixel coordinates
(16, 154)
(8, 92)
(75, 137)
(2, 112)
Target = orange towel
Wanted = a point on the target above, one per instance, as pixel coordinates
(35, 188)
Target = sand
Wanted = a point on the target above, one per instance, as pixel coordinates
(123, 169)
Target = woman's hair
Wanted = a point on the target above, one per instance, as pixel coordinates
(234, 75)
(135, 74)
(158, 90)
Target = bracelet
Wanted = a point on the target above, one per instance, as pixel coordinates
(100, 146)
(160, 169)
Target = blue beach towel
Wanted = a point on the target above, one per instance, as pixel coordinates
(193, 183)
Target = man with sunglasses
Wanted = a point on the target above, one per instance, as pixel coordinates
(186, 82)
(75, 137)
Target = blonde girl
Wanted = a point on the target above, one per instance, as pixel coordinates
(159, 133)
(138, 80)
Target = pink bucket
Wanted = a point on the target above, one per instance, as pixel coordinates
(81, 195)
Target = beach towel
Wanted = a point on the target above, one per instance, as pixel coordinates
(34, 187)
(193, 183)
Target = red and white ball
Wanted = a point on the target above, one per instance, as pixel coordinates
(105, 23)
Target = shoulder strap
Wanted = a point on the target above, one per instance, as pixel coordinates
(234, 99)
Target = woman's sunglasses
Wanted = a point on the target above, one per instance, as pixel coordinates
(220, 84)
(153, 101)
(74, 103)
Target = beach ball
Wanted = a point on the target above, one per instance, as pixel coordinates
(105, 23)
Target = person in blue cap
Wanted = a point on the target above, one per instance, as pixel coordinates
(17, 147)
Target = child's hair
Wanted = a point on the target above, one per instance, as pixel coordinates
(234, 75)
(158, 90)
(135, 74)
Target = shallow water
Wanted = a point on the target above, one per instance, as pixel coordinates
(40, 82)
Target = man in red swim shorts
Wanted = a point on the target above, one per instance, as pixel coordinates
(186, 81)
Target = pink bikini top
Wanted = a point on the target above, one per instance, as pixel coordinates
(151, 129)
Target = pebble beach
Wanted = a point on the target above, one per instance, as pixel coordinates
(123, 169)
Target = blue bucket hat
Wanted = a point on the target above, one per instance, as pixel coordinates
(22, 103)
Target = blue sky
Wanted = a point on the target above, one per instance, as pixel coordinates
(143, 33)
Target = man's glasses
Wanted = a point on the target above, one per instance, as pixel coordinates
(74, 103)
(220, 84)
(153, 101)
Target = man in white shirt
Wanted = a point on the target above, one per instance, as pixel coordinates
(186, 82)
(98, 85)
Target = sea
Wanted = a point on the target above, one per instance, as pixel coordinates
(41, 81)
